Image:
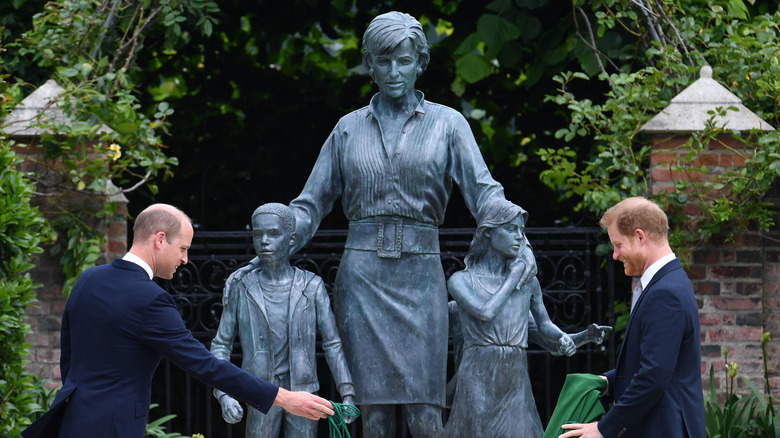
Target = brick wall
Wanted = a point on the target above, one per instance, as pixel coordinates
(736, 281)
(45, 316)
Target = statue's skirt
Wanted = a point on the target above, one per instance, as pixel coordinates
(493, 396)
(392, 317)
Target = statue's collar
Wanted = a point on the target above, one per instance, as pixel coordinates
(419, 109)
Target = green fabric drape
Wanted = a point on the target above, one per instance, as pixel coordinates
(579, 402)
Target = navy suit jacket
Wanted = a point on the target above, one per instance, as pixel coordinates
(656, 384)
(117, 326)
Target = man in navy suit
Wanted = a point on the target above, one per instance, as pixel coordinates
(118, 324)
(656, 385)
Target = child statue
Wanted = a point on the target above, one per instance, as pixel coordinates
(276, 310)
(495, 310)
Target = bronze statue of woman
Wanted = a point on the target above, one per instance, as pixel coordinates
(393, 165)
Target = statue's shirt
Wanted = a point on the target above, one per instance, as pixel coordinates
(509, 328)
(435, 150)
(277, 308)
(392, 312)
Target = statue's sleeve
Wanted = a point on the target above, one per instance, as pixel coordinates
(471, 174)
(331, 341)
(222, 344)
(321, 191)
(468, 168)
(537, 338)
(545, 328)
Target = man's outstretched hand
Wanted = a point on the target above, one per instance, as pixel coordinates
(303, 404)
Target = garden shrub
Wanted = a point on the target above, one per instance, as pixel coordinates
(21, 231)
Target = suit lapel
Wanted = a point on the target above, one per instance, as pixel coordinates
(672, 265)
(665, 269)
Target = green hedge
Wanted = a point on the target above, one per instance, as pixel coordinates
(21, 232)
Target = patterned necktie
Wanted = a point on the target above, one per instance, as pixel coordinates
(636, 293)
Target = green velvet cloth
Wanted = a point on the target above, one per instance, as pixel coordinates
(579, 402)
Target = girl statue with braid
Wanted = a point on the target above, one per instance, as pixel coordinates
(498, 303)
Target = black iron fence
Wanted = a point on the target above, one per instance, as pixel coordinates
(579, 288)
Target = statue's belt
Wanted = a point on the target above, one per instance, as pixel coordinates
(390, 237)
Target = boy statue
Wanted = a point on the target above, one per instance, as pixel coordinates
(276, 309)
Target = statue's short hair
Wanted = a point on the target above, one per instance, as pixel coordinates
(281, 210)
(635, 213)
(491, 216)
(388, 30)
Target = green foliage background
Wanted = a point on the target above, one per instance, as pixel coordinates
(236, 97)
(22, 230)
(742, 48)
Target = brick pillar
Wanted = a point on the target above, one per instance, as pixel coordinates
(45, 316)
(737, 282)
(771, 298)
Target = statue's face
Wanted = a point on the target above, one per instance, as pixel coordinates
(396, 72)
(509, 239)
(271, 240)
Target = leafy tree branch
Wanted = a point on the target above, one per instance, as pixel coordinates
(743, 53)
(108, 143)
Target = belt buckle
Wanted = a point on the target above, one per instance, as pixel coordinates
(394, 251)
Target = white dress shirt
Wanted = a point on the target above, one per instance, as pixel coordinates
(130, 257)
(648, 275)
